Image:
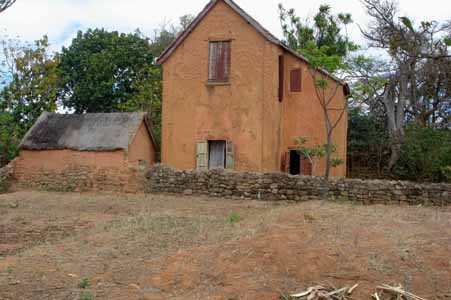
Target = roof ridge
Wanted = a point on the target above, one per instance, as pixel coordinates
(252, 21)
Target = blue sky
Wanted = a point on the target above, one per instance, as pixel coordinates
(61, 19)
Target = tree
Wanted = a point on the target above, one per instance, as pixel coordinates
(31, 90)
(326, 47)
(416, 81)
(99, 69)
(315, 152)
(167, 33)
(5, 4)
(425, 155)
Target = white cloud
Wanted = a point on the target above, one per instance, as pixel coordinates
(60, 19)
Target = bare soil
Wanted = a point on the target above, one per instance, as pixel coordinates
(87, 246)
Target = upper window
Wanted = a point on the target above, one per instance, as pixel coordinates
(296, 80)
(219, 61)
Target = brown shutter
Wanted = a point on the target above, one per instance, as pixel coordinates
(219, 61)
(296, 80)
(281, 77)
(306, 166)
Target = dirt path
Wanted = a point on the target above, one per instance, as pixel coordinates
(72, 246)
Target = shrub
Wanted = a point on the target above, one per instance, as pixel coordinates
(425, 155)
(233, 218)
(84, 283)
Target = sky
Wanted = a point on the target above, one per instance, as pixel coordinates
(61, 19)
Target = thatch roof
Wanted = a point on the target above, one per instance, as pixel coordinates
(87, 132)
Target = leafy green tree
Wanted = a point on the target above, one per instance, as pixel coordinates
(148, 97)
(99, 69)
(367, 143)
(32, 89)
(425, 155)
(4, 4)
(315, 152)
(324, 36)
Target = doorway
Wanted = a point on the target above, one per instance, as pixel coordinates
(216, 154)
(295, 162)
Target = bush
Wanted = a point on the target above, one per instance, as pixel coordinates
(425, 155)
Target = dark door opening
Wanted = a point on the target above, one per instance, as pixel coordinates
(295, 163)
(216, 154)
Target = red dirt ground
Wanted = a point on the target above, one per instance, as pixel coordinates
(172, 247)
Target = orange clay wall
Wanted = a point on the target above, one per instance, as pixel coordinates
(303, 116)
(194, 111)
(68, 170)
(246, 112)
(142, 148)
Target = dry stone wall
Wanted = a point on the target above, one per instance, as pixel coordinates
(279, 186)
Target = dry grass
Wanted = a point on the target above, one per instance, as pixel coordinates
(165, 247)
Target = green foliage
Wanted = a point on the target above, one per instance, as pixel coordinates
(425, 155)
(317, 151)
(233, 218)
(10, 136)
(366, 132)
(148, 97)
(30, 90)
(321, 41)
(84, 283)
(86, 295)
(99, 70)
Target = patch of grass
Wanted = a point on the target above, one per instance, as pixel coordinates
(84, 283)
(309, 218)
(86, 295)
(233, 218)
(9, 270)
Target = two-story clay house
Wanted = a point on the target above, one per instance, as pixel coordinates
(235, 97)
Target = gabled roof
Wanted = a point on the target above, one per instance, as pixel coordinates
(87, 132)
(251, 21)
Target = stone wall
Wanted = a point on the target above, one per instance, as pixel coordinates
(279, 186)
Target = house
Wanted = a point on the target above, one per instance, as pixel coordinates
(86, 152)
(236, 97)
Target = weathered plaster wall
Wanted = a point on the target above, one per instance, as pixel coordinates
(246, 112)
(142, 148)
(67, 170)
(194, 111)
(303, 116)
(279, 186)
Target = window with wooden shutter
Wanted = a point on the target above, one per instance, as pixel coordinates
(219, 61)
(296, 80)
(281, 77)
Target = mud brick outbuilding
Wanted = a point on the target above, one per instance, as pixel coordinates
(86, 152)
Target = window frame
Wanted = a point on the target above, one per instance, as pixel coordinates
(227, 64)
(298, 90)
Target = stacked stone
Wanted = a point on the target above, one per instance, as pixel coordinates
(279, 186)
